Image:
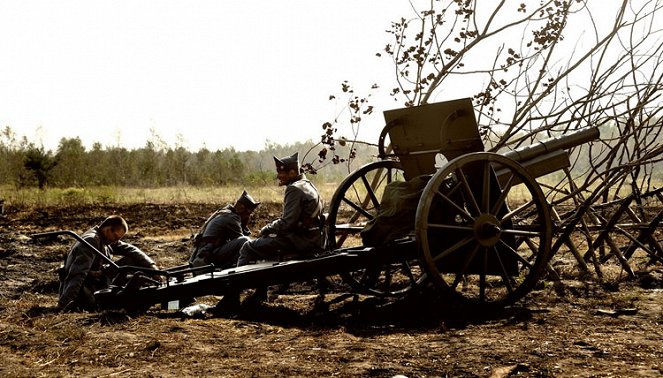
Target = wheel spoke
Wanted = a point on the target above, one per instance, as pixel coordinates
(381, 176)
(533, 246)
(503, 272)
(449, 227)
(485, 195)
(482, 277)
(371, 193)
(389, 175)
(466, 264)
(469, 196)
(358, 208)
(453, 248)
(525, 233)
(408, 271)
(515, 254)
(388, 275)
(518, 210)
(341, 239)
(502, 198)
(453, 204)
(455, 188)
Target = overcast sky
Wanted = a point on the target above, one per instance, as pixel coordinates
(216, 73)
(200, 73)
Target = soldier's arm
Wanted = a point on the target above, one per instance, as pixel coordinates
(291, 212)
(233, 227)
(225, 227)
(139, 257)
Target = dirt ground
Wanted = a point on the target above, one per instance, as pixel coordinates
(570, 328)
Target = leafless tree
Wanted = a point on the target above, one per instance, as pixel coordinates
(535, 72)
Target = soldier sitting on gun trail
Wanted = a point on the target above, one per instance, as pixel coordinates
(223, 234)
(83, 272)
(297, 233)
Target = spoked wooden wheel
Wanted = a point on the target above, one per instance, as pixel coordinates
(483, 239)
(355, 203)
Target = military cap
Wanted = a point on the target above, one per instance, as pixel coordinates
(287, 163)
(246, 200)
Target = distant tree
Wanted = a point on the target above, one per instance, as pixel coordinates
(39, 163)
(71, 169)
(175, 164)
(149, 160)
(97, 169)
(200, 168)
(119, 166)
(12, 154)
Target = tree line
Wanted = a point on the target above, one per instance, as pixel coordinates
(24, 163)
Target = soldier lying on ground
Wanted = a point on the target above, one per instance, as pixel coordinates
(223, 234)
(84, 273)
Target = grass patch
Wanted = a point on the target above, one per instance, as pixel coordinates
(60, 197)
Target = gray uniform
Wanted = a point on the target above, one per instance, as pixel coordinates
(221, 240)
(296, 232)
(83, 273)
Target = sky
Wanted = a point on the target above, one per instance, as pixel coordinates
(214, 74)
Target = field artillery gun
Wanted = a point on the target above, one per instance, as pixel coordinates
(480, 234)
(482, 227)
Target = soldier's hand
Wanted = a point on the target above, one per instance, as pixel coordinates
(158, 277)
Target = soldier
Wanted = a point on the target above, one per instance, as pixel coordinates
(297, 232)
(83, 272)
(223, 234)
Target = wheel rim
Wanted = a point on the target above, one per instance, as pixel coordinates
(481, 240)
(355, 202)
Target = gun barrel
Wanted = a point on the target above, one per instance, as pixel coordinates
(563, 142)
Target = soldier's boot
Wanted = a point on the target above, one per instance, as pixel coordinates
(228, 305)
(259, 296)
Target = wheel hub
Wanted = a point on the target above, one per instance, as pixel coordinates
(487, 230)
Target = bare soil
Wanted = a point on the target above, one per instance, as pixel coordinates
(570, 328)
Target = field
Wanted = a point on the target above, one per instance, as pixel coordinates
(569, 328)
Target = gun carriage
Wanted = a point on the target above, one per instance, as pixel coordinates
(480, 232)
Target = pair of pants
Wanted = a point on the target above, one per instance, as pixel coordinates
(223, 256)
(263, 248)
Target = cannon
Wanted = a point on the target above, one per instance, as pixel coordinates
(480, 232)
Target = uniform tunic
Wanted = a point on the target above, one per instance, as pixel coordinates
(83, 272)
(222, 238)
(296, 232)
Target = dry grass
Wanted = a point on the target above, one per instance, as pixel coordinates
(32, 197)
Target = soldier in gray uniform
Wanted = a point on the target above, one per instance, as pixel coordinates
(223, 234)
(297, 233)
(83, 272)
